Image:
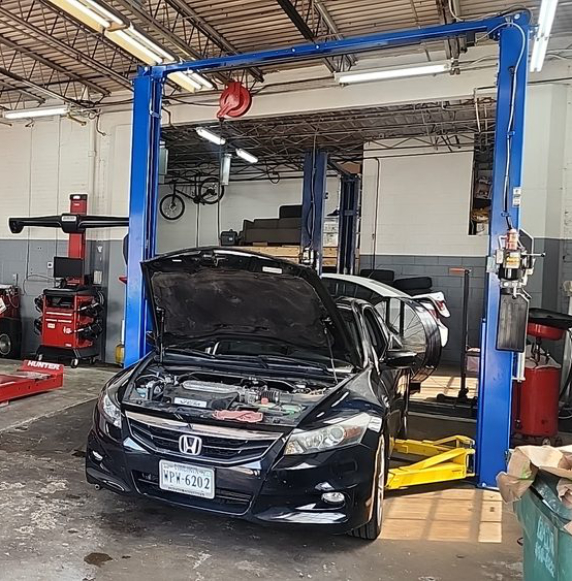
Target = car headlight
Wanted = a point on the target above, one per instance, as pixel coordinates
(108, 403)
(337, 434)
(109, 408)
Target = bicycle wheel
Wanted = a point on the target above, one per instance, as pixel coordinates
(172, 207)
(209, 191)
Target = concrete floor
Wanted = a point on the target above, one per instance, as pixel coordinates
(54, 527)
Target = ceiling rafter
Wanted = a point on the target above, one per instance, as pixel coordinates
(26, 52)
(312, 26)
(185, 10)
(283, 140)
(22, 22)
(36, 87)
(56, 51)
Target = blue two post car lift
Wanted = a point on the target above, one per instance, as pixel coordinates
(512, 33)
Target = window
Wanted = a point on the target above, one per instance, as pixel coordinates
(482, 181)
(344, 288)
(377, 337)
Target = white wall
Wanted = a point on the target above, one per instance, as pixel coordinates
(547, 152)
(40, 166)
(418, 203)
(424, 195)
(242, 201)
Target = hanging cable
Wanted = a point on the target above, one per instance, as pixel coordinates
(509, 134)
(220, 186)
(311, 218)
(376, 215)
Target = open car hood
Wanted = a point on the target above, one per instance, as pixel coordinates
(217, 293)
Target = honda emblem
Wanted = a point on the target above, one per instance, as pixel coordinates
(190, 445)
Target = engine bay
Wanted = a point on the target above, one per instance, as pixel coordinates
(225, 396)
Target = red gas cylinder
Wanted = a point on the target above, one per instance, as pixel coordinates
(535, 401)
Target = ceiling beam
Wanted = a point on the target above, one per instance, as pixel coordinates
(7, 86)
(34, 32)
(331, 24)
(55, 67)
(303, 28)
(36, 87)
(210, 32)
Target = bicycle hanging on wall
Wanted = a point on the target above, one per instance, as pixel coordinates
(198, 191)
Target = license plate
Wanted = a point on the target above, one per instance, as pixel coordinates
(187, 479)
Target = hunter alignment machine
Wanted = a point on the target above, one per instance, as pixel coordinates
(72, 313)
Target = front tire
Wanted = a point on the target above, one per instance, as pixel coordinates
(372, 529)
(10, 339)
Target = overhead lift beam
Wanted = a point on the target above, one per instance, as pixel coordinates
(512, 32)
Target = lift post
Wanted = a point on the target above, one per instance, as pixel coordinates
(512, 32)
(495, 378)
(349, 203)
(314, 205)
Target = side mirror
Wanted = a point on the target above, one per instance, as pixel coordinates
(399, 359)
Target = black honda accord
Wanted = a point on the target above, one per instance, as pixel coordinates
(261, 397)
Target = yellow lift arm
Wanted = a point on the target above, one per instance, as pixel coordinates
(444, 460)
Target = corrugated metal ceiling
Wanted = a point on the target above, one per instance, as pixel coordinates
(46, 54)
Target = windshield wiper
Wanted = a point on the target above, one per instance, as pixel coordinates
(179, 350)
(292, 361)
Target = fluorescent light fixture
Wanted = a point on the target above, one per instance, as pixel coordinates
(125, 35)
(145, 41)
(356, 77)
(210, 136)
(225, 169)
(185, 81)
(39, 112)
(545, 22)
(104, 12)
(243, 154)
(202, 80)
(133, 46)
(89, 12)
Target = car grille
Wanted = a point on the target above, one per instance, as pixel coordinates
(225, 500)
(220, 445)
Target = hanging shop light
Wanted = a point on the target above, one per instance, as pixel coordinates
(395, 73)
(38, 112)
(210, 136)
(243, 154)
(125, 35)
(225, 169)
(545, 22)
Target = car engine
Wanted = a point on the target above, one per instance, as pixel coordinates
(223, 396)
